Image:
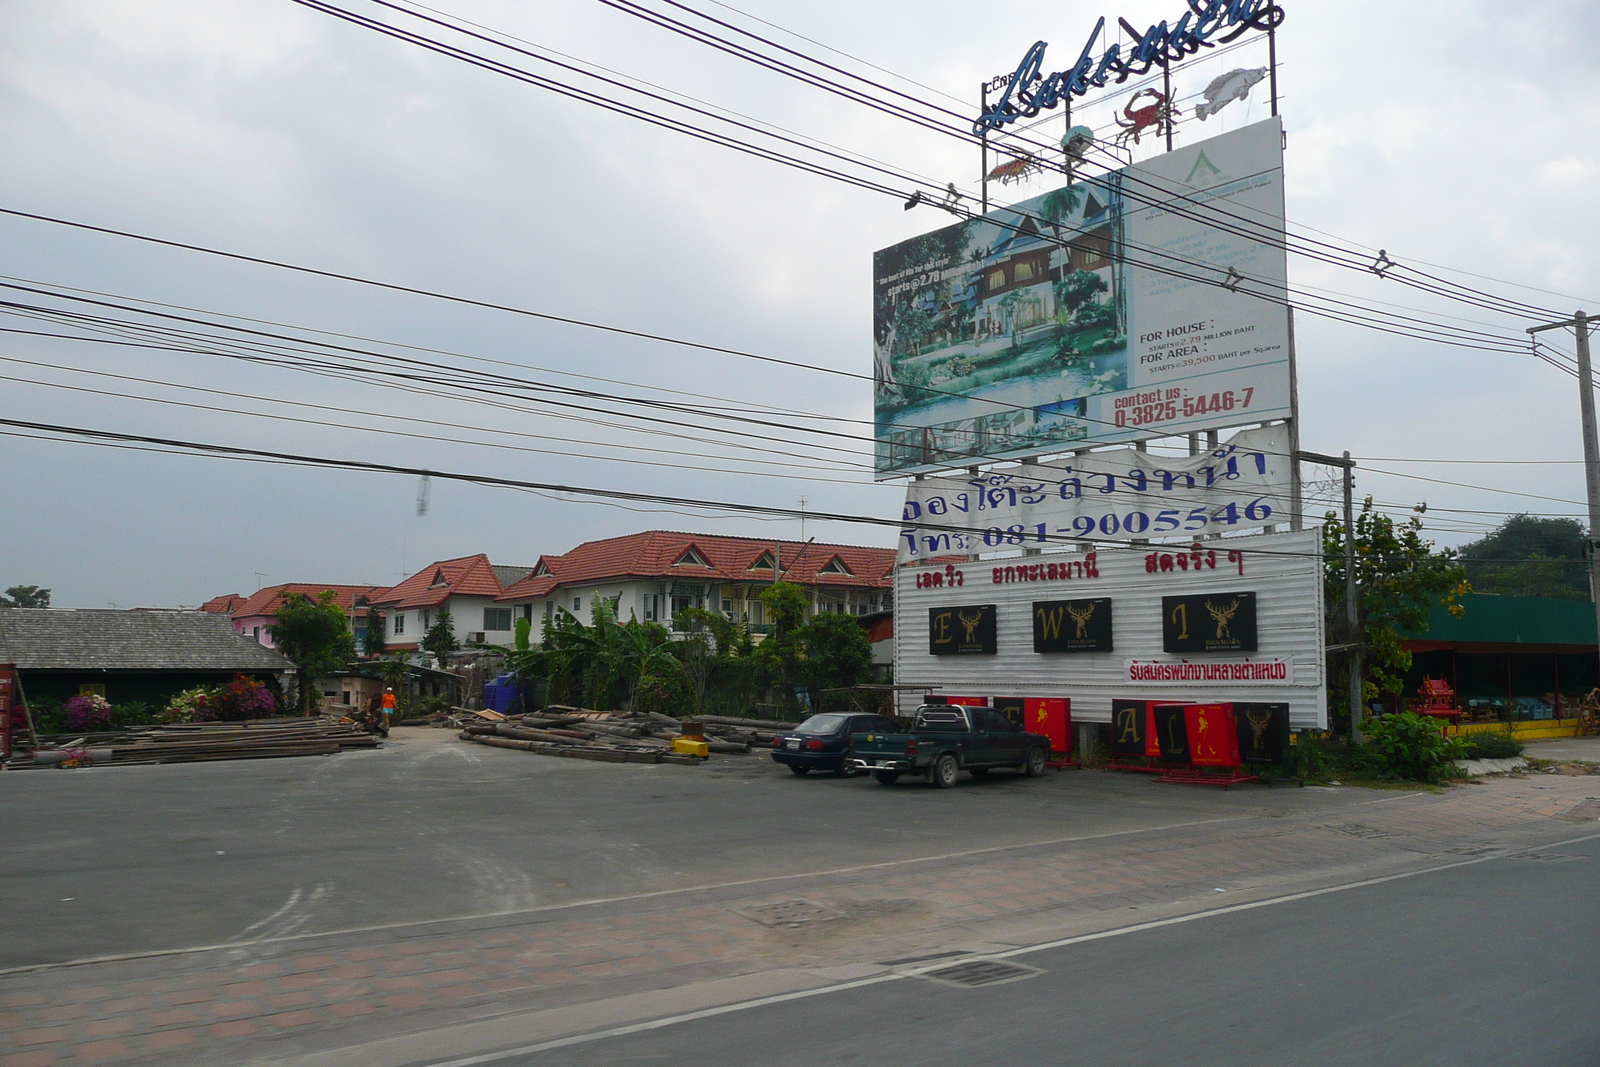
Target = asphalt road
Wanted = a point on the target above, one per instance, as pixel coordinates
(122, 860)
(1490, 963)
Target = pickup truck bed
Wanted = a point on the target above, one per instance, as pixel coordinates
(945, 740)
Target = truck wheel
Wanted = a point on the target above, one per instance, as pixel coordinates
(886, 777)
(1034, 768)
(944, 771)
(846, 768)
(798, 769)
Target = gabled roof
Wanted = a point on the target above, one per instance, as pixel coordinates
(268, 601)
(103, 639)
(222, 605)
(437, 582)
(661, 554)
(509, 576)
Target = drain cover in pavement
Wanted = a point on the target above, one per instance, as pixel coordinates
(788, 912)
(981, 972)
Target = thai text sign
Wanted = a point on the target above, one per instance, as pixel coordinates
(1266, 671)
(1147, 302)
(1112, 495)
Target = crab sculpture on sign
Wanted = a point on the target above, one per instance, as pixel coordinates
(1140, 119)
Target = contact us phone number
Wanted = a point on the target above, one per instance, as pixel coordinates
(1188, 406)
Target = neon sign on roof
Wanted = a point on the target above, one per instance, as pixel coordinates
(1029, 92)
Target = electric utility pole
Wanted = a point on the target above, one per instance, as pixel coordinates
(1591, 444)
(1352, 608)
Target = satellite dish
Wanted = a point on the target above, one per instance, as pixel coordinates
(1077, 142)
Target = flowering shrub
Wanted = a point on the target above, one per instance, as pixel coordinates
(191, 705)
(243, 698)
(87, 712)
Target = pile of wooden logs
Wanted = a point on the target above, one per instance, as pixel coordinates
(615, 736)
(192, 743)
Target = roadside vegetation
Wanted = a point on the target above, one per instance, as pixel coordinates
(708, 665)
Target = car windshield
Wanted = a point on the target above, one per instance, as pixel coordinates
(821, 724)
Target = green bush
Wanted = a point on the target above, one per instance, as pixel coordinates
(133, 713)
(1493, 746)
(1409, 746)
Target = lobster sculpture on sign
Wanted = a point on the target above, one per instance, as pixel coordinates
(1141, 119)
(1222, 616)
(1014, 170)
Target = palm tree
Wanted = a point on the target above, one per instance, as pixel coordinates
(1058, 204)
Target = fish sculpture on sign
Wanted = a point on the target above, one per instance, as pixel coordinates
(1226, 88)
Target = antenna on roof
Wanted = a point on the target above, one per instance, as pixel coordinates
(422, 497)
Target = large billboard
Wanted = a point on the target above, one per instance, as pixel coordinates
(1146, 302)
(1236, 619)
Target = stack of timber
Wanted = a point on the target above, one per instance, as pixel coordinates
(614, 736)
(196, 742)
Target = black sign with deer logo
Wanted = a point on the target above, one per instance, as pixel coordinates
(1263, 732)
(1072, 625)
(962, 631)
(1209, 622)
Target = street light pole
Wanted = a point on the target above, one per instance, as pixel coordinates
(1591, 443)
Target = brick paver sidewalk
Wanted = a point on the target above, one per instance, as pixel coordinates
(237, 1004)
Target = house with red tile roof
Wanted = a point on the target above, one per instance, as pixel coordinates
(255, 614)
(468, 587)
(651, 576)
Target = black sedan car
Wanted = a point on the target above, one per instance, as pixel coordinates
(822, 742)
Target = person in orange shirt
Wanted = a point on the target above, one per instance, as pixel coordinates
(388, 709)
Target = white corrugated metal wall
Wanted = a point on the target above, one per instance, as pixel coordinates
(1283, 570)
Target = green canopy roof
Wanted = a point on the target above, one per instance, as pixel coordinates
(1512, 620)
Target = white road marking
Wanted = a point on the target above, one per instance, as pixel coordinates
(761, 1002)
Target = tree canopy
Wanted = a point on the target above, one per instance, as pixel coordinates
(316, 635)
(25, 596)
(1530, 556)
(1399, 579)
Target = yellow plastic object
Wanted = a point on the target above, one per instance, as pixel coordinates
(688, 746)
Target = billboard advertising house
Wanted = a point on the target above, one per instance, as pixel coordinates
(1145, 302)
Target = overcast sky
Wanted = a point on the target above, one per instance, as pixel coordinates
(1462, 140)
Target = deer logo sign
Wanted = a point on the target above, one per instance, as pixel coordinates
(1081, 616)
(971, 624)
(1222, 616)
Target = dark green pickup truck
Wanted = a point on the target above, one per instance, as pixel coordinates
(945, 740)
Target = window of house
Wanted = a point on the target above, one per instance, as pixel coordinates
(399, 622)
(835, 566)
(681, 603)
(438, 579)
(997, 279)
(255, 632)
(344, 697)
(527, 612)
(577, 603)
(763, 563)
(427, 619)
(92, 689)
(497, 618)
(549, 609)
(727, 607)
(1023, 271)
